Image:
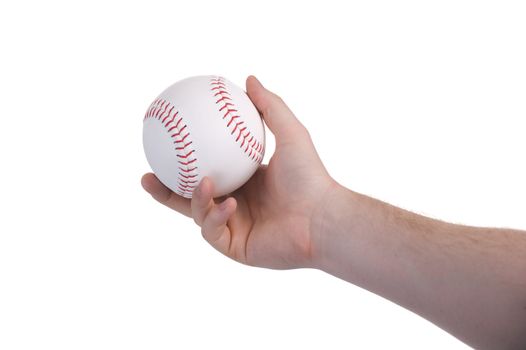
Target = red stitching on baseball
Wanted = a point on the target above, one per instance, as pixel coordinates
(178, 133)
(187, 176)
(186, 155)
(244, 139)
(240, 131)
(164, 111)
(184, 146)
(225, 106)
(168, 116)
(221, 92)
(228, 111)
(254, 149)
(188, 162)
(187, 170)
(181, 140)
(223, 98)
(232, 119)
(217, 81)
(159, 109)
(153, 109)
(235, 128)
(186, 182)
(187, 173)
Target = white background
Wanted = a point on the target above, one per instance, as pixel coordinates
(421, 104)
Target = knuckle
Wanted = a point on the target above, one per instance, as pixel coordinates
(278, 99)
(302, 132)
(196, 216)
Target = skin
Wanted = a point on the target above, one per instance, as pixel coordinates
(291, 214)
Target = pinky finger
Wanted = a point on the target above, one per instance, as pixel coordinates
(214, 228)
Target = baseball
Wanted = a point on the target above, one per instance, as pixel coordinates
(203, 126)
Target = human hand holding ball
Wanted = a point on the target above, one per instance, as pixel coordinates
(211, 125)
(200, 127)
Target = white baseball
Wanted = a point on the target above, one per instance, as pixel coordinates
(203, 126)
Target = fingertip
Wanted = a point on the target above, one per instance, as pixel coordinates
(144, 182)
(233, 201)
(202, 199)
(255, 91)
(205, 187)
(148, 181)
(228, 205)
(253, 81)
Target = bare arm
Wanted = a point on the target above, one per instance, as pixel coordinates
(469, 281)
(292, 214)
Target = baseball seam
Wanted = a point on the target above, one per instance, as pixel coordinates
(175, 126)
(248, 143)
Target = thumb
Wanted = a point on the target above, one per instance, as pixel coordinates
(278, 117)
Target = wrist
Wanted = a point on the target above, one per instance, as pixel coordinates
(334, 205)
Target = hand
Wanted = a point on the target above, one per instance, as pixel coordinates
(267, 222)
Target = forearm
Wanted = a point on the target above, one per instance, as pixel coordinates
(469, 281)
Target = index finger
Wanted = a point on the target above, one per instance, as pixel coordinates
(165, 196)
